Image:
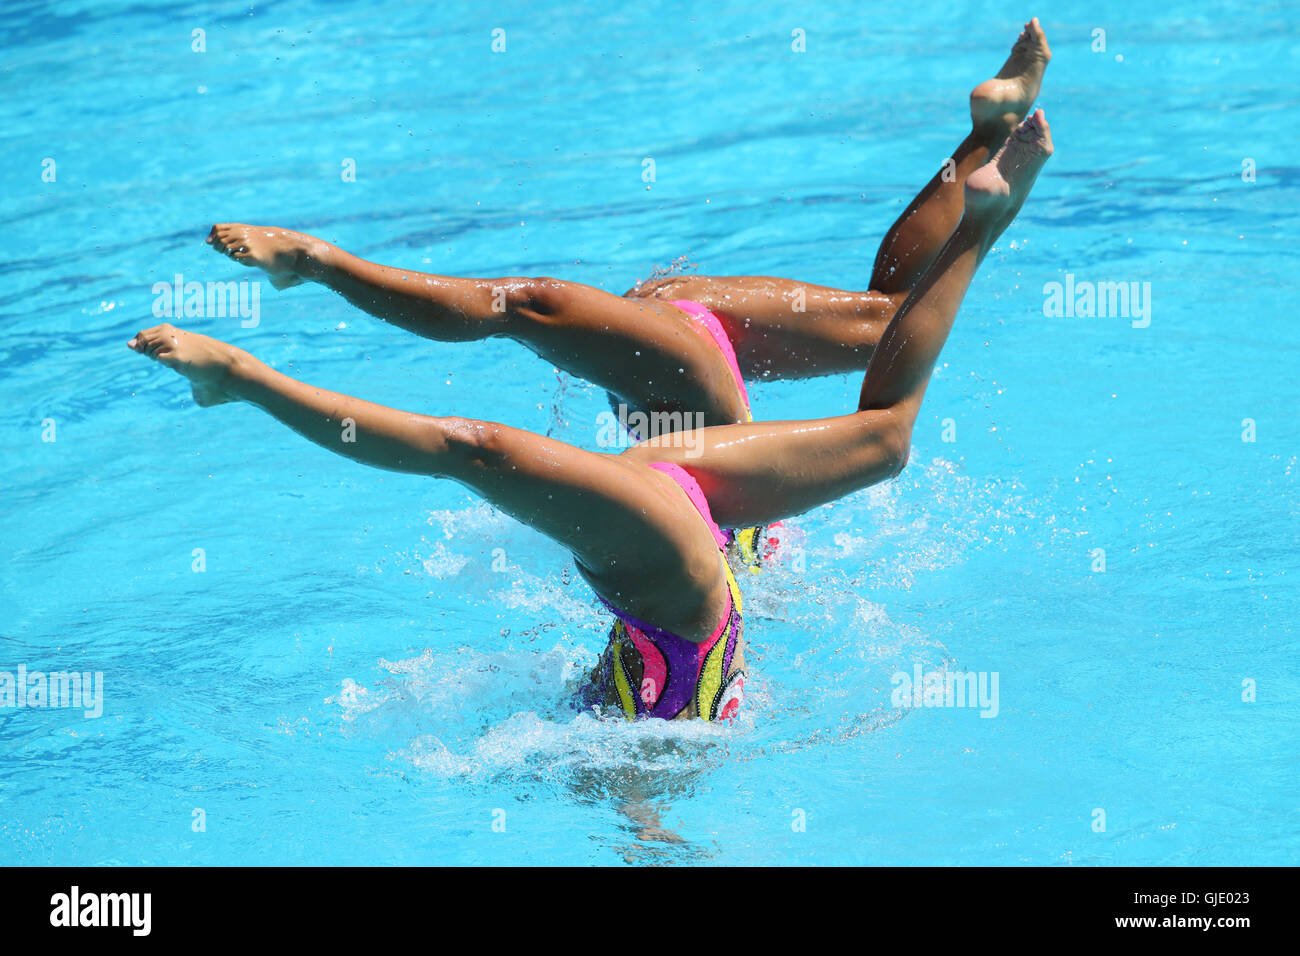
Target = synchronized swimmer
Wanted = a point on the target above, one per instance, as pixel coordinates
(646, 527)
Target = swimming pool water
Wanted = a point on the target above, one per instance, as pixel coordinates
(371, 668)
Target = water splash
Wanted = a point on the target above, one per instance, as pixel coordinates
(679, 266)
(822, 647)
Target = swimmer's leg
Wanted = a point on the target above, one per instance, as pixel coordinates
(760, 472)
(787, 329)
(633, 531)
(646, 351)
(996, 107)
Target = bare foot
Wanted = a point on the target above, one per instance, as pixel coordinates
(997, 105)
(995, 191)
(280, 253)
(205, 362)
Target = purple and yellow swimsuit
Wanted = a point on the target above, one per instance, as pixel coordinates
(675, 672)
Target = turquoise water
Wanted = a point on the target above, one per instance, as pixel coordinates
(371, 668)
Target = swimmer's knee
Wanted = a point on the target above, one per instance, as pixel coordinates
(512, 299)
(531, 296)
(471, 443)
(897, 445)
